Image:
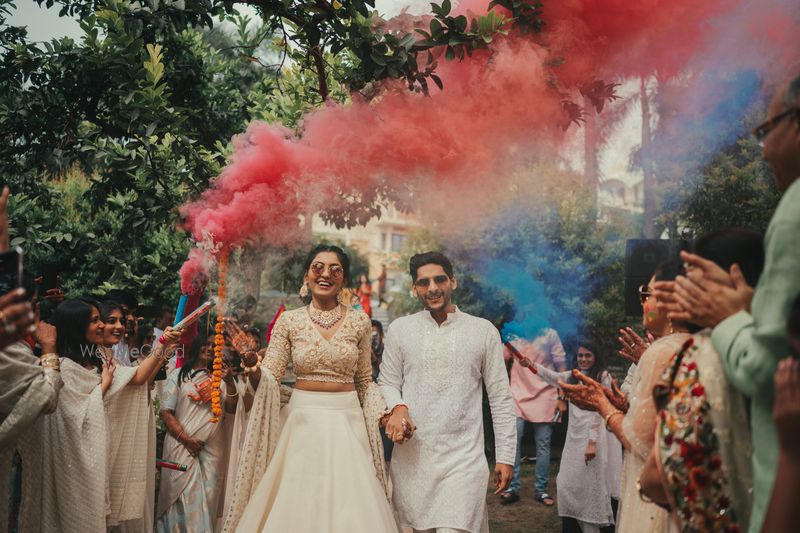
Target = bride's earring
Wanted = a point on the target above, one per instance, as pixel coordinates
(339, 297)
(304, 290)
(671, 329)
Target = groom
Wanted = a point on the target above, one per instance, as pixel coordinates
(434, 363)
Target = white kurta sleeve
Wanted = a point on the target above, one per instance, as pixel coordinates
(390, 378)
(500, 402)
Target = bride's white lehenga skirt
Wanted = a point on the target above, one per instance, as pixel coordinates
(321, 478)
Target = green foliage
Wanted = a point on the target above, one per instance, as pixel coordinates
(737, 177)
(105, 137)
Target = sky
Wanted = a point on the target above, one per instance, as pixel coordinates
(44, 24)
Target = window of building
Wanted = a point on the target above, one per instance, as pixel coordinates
(398, 241)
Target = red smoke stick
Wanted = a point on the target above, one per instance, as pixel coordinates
(519, 356)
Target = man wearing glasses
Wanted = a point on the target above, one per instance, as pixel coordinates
(749, 330)
(434, 365)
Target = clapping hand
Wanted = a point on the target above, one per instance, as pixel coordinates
(706, 296)
(633, 346)
(588, 395)
(616, 396)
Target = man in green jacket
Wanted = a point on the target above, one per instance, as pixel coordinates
(749, 329)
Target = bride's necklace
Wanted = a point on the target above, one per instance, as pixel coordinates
(325, 319)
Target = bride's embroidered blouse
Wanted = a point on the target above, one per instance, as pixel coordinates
(345, 358)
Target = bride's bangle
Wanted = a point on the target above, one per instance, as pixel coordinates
(250, 369)
(50, 360)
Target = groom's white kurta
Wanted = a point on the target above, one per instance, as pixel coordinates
(440, 476)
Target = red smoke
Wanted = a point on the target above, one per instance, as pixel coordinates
(494, 108)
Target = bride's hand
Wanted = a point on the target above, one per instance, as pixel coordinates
(400, 427)
(241, 341)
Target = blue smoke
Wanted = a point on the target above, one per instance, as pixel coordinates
(547, 284)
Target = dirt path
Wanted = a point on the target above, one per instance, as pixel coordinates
(526, 515)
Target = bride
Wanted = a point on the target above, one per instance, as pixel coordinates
(317, 465)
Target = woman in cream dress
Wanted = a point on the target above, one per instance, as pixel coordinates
(325, 470)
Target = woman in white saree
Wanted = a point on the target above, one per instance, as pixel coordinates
(84, 467)
(636, 428)
(325, 471)
(189, 500)
(584, 495)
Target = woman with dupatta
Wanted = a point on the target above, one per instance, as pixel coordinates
(325, 471)
(84, 467)
(636, 427)
(189, 500)
(700, 466)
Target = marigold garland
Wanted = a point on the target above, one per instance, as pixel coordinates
(219, 339)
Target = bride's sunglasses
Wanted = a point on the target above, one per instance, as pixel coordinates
(334, 271)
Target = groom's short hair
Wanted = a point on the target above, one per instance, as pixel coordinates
(430, 258)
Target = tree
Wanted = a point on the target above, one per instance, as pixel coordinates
(108, 136)
(737, 177)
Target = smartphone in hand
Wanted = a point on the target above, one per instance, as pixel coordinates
(11, 270)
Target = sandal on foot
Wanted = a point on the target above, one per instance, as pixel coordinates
(545, 499)
(509, 497)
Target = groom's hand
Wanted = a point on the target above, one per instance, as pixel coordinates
(400, 427)
(502, 476)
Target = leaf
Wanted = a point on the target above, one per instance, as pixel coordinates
(450, 54)
(437, 81)
(446, 7)
(436, 28)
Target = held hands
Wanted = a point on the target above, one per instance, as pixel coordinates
(786, 408)
(502, 476)
(633, 346)
(400, 427)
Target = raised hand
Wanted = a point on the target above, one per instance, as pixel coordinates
(54, 296)
(171, 337)
(16, 317)
(706, 295)
(616, 396)
(45, 335)
(588, 395)
(633, 346)
(241, 341)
